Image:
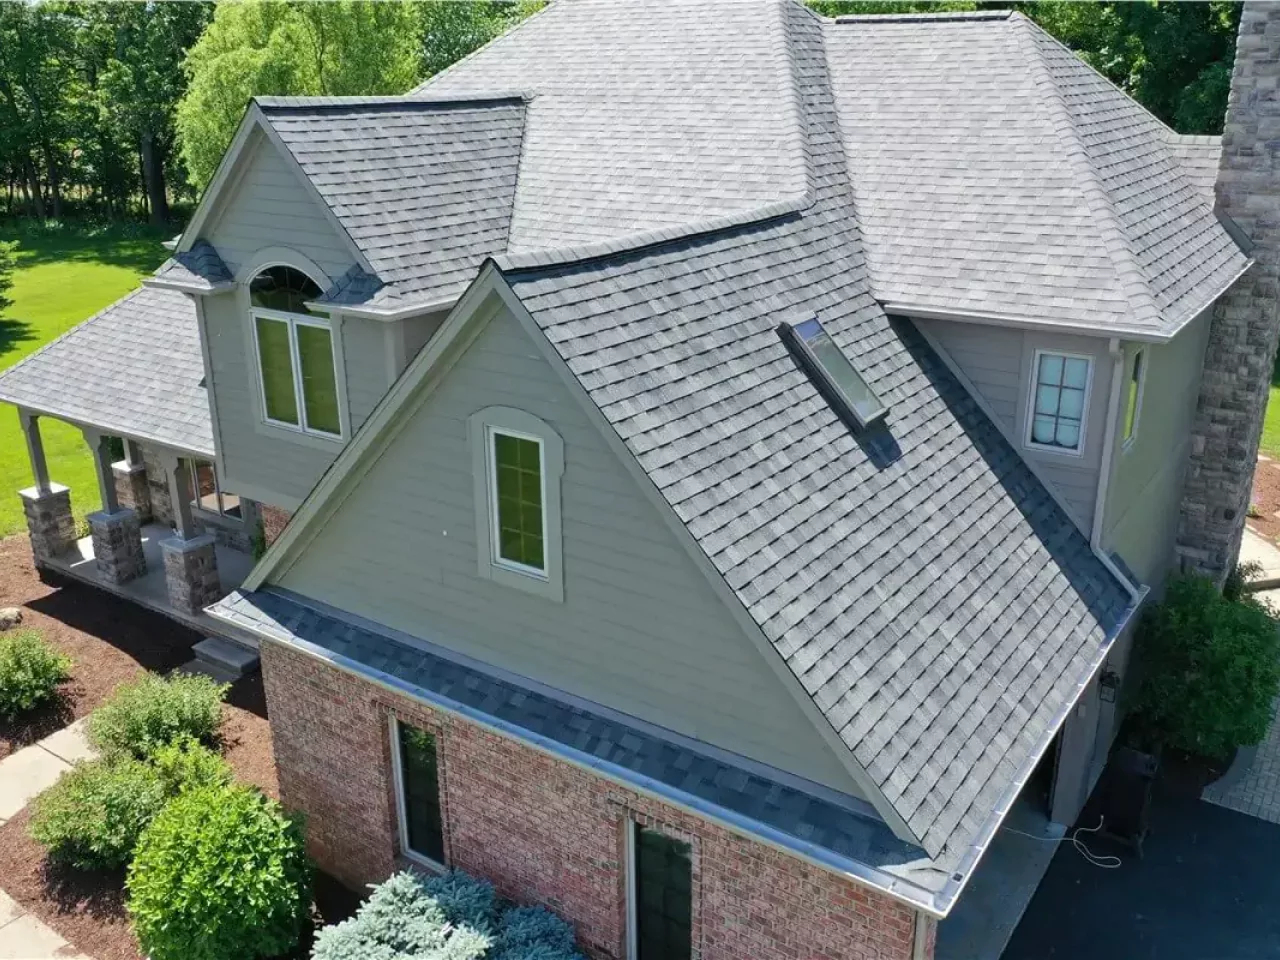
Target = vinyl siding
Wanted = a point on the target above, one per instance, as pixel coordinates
(639, 630)
(267, 205)
(999, 362)
(1146, 482)
(364, 354)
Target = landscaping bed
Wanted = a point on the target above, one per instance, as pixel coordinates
(1264, 505)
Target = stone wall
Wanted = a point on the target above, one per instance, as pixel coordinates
(545, 831)
(274, 520)
(1243, 337)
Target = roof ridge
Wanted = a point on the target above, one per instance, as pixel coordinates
(1134, 282)
(401, 101)
(945, 17)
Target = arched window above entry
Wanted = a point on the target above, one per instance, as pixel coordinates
(283, 288)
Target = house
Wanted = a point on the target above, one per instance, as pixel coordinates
(712, 456)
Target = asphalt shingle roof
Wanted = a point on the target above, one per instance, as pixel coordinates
(200, 268)
(424, 189)
(134, 369)
(995, 172)
(919, 581)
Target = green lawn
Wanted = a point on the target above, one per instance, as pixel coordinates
(63, 277)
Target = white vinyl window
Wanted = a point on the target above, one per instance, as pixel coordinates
(415, 767)
(1134, 383)
(1059, 401)
(518, 461)
(296, 370)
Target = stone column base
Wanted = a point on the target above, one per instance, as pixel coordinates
(132, 489)
(117, 545)
(191, 573)
(49, 521)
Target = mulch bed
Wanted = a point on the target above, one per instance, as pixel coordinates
(1266, 500)
(112, 640)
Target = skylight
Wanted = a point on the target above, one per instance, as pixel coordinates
(832, 373)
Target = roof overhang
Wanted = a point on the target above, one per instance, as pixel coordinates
(195, 289)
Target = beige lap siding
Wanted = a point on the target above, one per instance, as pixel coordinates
(545, 831)
(274, 520)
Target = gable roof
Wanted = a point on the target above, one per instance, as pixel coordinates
(134, 369)
(997, 173)
(927, 593)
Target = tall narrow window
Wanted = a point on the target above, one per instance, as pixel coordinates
(1133, 395)
(295, 353)
(1060, 393)
(517, 499)
(421, 821)
(661, 897)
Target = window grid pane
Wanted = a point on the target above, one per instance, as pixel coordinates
(664, 897)
(319, 386)
(518, 473)
(1131, 401)
(419, 773)
(276, 361)
(1059, 401)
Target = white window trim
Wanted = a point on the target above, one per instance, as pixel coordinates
(1127, 442)
(491, 469)
(402, 819)
(294, 321)
(633, 927)
(1031, 404)
(481, 427)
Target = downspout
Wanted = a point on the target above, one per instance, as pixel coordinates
(920, 938)
(1104, 473)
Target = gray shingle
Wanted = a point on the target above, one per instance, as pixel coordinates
(134, 369)
(201, 267)
(920, 582)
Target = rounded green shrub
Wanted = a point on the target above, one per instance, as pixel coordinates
(30, 671)
(187, 764)
(153, 711)
(220, 874)
(93, 816)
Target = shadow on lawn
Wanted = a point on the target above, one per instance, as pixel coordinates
(133, 246)
(14, 332)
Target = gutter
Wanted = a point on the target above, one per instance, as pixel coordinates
(918, 898)
(996, 319)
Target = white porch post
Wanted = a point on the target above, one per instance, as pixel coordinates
(116, 530)
(46, 506)
(190, 558)
(35, 450)
(100, 447)
(179, 472)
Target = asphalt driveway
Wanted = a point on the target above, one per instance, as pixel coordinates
(1207, 889)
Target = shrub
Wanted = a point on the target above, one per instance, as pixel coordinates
(153, 711)
(1209, 669)
(412, 918)
(93, 816)
(30, 671)
(187, 764)
(220, 874)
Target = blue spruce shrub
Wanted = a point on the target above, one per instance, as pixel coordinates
(465, 899)
(533, 933)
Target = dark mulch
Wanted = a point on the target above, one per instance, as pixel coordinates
(1266, 500)
(111, 641)
(108, 640)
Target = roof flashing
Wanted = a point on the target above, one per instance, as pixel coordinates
(835, 376)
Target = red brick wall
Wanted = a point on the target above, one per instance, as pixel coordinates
(544, 831)
(273, 521)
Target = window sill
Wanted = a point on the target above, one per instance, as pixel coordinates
(540, 586)
(316, 441)
(1077, 454)
(416, 861)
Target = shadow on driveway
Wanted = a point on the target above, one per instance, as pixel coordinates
(1208, 889)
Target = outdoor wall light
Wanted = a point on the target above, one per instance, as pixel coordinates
(1108, 684)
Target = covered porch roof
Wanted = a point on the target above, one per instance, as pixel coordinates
(133, 370)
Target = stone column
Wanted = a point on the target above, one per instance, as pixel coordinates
(49, 521)
(132, 487)
(191, 573)
(1245, 330)
(117, 545)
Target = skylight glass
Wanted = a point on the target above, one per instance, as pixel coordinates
(831, 370)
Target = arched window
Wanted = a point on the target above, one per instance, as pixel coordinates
(295, 353)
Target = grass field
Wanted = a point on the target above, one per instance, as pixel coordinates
(63, 276)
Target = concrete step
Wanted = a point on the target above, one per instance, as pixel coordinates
(207, 669)
(226, 656)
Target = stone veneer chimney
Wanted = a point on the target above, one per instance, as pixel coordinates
(1246, 326)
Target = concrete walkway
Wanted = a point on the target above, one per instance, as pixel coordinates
(23, 937)
(23, 775)
(1255, 548)
(33, 769)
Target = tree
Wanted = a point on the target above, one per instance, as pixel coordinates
(263, 47)
(140, 48)
(8, 260)
(451, 29)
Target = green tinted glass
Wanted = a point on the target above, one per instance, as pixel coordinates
(663, 897)
(420, 776)
(518, 475)
(319, 387)
(277, 370)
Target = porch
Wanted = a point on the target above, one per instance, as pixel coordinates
(150, 589)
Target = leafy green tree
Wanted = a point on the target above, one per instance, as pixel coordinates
(8, 261)
(263, 47)
(451, 29)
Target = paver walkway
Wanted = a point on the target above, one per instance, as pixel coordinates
(1255, 548)
(1257, 792)
(23, 937)
(23, 775)
(32, 769)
